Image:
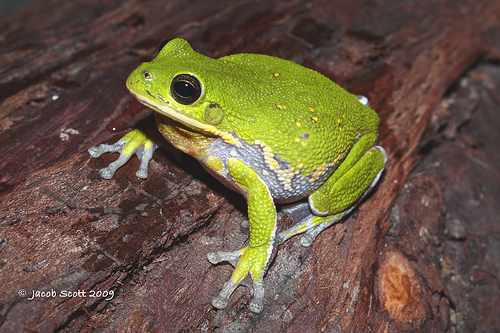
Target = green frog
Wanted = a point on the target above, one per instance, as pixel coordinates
(270, 129)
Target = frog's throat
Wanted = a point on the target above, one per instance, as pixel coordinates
(190, 122)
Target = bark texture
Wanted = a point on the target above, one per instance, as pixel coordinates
(422, 253)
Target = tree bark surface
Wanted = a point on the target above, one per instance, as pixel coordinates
(421, 253)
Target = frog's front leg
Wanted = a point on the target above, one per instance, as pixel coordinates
(253, 259)
(134, 142)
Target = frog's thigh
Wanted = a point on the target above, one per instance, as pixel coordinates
(357, 174)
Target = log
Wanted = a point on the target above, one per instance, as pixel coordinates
(419, 254)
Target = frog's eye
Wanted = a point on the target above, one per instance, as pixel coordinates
(162, 45)
(185, 89)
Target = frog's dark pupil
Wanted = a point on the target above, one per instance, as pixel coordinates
(184, 89)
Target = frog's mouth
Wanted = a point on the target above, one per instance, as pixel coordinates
(185, 120)
(176, 115)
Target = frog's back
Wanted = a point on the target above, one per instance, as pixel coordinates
(299, 113)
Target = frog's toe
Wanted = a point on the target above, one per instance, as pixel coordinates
(311, 226)
(145, 154)
(222, 300)
(257, 302)
(311, 234)
(135, 142)
(363, 100)
(109, 171)
(245, 224)
(247, 261)
(105, 148)
(307, 240)
(220, 256)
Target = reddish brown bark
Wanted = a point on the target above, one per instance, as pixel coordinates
(420, 254)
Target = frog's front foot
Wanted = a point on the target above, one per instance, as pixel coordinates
(257, 303)
(251, 260)
(135, 142)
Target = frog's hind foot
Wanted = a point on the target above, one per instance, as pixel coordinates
(363, 100)
(312, 226)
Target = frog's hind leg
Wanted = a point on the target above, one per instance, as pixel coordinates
(306, 221)
(345, 188)
(312, 226)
